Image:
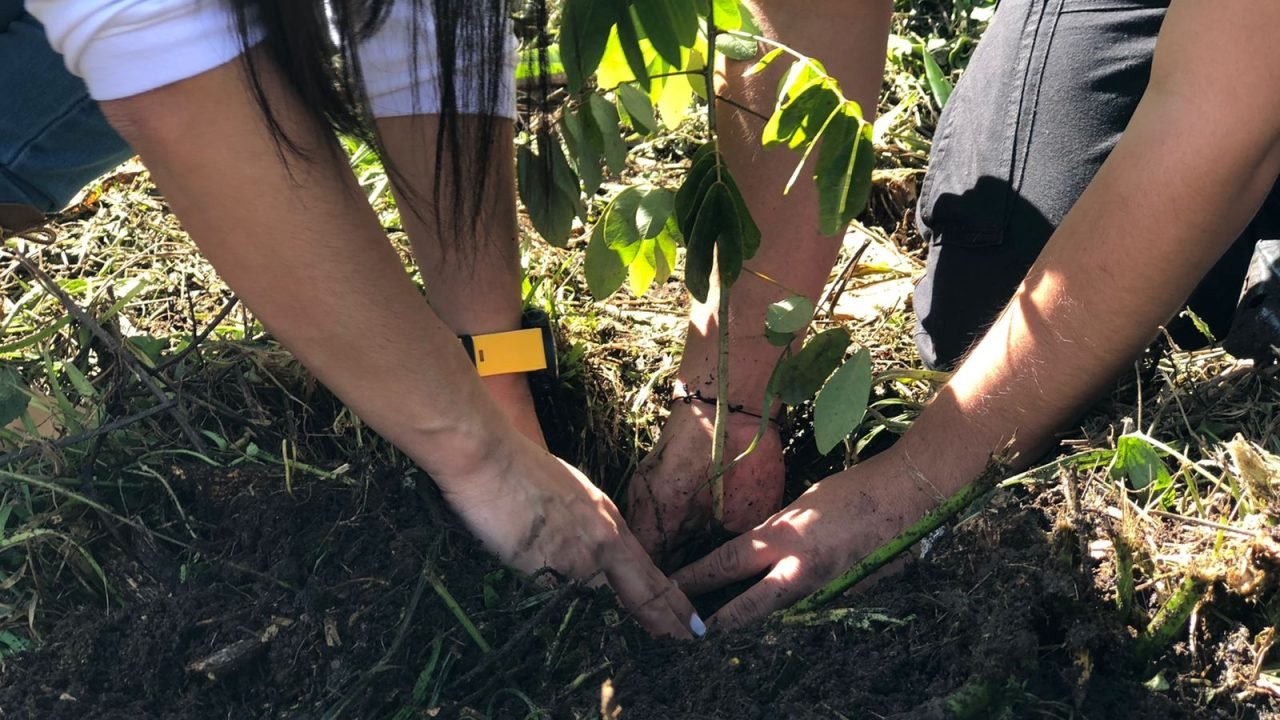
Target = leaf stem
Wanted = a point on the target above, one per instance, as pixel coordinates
(799, 56)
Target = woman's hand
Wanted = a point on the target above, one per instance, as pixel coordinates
(669, 496)
(811, 541)
(536, 511)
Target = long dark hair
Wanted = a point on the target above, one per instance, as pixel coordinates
(315, 44)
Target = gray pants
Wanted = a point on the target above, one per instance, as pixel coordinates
(1045, 98)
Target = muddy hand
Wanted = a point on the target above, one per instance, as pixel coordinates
(535, 511)
(810, 542)
(669, 496)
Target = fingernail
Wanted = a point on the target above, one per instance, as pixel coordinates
(696, 626)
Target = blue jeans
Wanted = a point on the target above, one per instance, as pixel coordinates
(53, 138)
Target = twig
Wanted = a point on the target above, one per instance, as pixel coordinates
(33, 450)
(200, 337)
(740, 106)
(904, 540)
(770, 280)
(1202, 522)
(124, 356)
(846, 272)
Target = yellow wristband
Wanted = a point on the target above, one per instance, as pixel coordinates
(516, 351)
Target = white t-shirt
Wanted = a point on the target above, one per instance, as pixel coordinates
(127, 47)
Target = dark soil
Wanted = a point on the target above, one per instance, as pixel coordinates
(317, 604)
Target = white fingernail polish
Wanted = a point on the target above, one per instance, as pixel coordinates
(696, 626)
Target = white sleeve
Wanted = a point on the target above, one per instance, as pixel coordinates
(387, 64)
(127, 47)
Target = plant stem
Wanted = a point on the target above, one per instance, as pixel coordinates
(722, 313)
(1171, 619)
(722, 407)
(885, 554)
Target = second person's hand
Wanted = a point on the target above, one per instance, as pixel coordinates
(536, 511)
(811, 541)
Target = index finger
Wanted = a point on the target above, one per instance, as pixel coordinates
(648, 595)
(740, 558)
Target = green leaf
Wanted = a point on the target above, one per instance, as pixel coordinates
(743, 240)
(638, 107)
(14, 397)
(606, 120)
(82, 384)
(151, 347)
(672, 231)
(603, 266)
(584, 32)
(864, 165)
(728, 14)
(789, 315)
(803, 373)
(615, 67)
(644, 268)
(665, 244)
(843, 170)
(730, 251)
(798, 119)
(548, 188)
(737, 48)
(564, 178)
(529, 64)
(658, 21)
(778, 339)
(1201, 326)
(619, 219)
(637, 213)
(938, 83)
(13, 644)
(627, 241)
(689, 196)
(585, 145)
(629, 38)
(740, 48)
(750, 231)
(716, 227)
(764, 62)
(799, 76)
(654, 210)
(1138, 461)
(673, 95)
(842, 403)
(687, 21)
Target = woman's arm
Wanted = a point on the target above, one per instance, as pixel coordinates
(297, 242)
(1194, 166)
